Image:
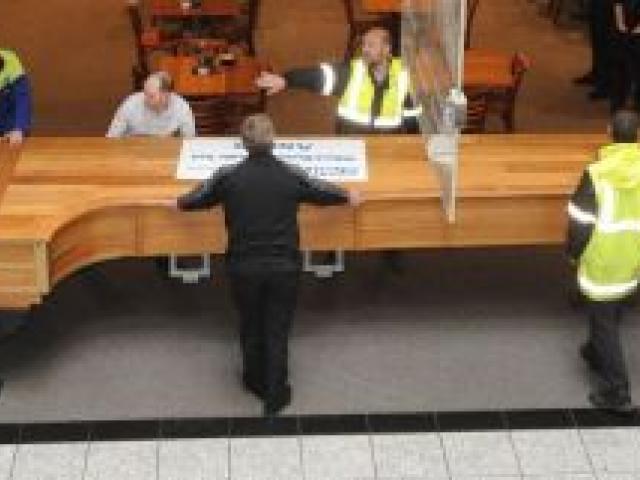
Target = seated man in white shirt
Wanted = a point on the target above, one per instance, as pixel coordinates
(156, 111)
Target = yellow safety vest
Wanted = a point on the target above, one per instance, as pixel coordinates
(12, 68)
(609, 268)
(356, 101)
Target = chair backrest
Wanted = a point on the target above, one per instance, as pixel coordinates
(477, 109)
(519, 66)
(209, 115)
(472, 7)
(135, 19)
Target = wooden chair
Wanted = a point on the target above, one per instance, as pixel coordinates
(477, 109)
(359, 23)
(223, 115)
(472, 8)
(504, 101)
(141, 68)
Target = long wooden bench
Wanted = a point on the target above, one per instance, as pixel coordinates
(70, 202)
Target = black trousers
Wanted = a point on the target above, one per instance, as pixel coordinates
(601, 28)
(604, 340)
(626, 72)
(266, 302)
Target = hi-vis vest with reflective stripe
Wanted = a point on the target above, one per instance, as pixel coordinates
(355, 104)
(610, 265)
(12, 68)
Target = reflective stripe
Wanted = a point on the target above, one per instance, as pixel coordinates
(329, 82)
(579, 215)
(412, 112)
(387, 122)
(353, 116)
(606, 223)
(611, 290)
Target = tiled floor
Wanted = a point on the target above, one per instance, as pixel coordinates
(569, 454)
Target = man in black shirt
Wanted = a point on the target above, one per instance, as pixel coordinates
(626, 57)
(260, 198)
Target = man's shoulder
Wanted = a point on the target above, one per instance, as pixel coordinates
(179, 102)
(133, 101)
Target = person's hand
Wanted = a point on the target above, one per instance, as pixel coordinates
(271, 82)
(355, 198)
(14, 137)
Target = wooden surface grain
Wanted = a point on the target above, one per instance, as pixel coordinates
(70, 202)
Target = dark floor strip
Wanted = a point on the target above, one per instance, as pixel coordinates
(176, 428)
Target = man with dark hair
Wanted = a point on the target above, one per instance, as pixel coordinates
(15, 99)
(373, 88)
(260, 198)
(603, 239)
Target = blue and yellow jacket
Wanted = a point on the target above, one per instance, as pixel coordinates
(15, 95)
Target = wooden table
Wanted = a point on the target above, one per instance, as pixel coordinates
(237, 79)
(70, 202)
(382, 6)
(159, 9)
(487, 69)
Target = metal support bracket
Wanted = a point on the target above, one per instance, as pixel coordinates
(323, 270)
(190, 275)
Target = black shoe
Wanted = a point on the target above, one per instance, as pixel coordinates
(589, 356)
(274, 404)
(254, 386)
(598, 94)
(586, 79)
(617, 401)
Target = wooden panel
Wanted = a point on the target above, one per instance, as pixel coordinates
(170, 231)
(330, 228)
(18, 300)
(16, 254)
(18, 279)
(97, 236)
(401, 224)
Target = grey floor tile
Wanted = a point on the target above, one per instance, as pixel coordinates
(613, 450)
(337, 457)
(562, 476)
(56, 461)
(409, 456)
(618, 476)
(487, 477)
(266, 459)
(206, 459)
(480, 453)
(122, 461)
(7, 453)
(542, 452)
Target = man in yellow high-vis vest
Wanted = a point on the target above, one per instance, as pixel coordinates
(604, 242)
(373, 88)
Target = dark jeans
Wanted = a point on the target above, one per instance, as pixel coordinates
(604, 340)
(266, 301)
(626, 73)
(601, 28)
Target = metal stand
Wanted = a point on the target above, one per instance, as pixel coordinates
(190, 275)
(324, 270)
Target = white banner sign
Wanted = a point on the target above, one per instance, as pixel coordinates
(328, 159)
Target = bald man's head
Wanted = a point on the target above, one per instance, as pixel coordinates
(376, 46)
(157, 88)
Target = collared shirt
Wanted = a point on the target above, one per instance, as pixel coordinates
(134, 118)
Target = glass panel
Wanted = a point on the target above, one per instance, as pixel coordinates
(433, 50)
